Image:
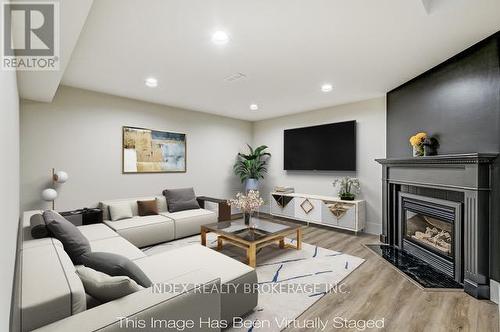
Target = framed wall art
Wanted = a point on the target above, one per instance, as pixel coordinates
(153, 151)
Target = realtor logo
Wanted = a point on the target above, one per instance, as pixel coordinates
(30, 36)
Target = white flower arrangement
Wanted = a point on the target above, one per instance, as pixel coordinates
(247, 203)
(348, 187)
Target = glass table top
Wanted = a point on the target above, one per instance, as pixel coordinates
(258, 229)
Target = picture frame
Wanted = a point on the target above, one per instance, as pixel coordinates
(147, 150)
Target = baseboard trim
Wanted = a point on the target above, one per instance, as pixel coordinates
(494, 291)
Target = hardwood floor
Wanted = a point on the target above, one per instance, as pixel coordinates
(376, 290)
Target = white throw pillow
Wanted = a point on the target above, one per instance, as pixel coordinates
(106, 288)
(121, 210)
(161, 202)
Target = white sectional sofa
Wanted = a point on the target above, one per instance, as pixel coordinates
(148, 230)
(53, 297)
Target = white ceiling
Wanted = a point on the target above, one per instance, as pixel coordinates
(286, 49)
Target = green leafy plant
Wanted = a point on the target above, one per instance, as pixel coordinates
(252, 165)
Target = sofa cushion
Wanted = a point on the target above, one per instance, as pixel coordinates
(97, 232)
(189, 222)
(173, 263)
(145, 231)
(117, 245)
(51, 290)
(75, 285)
(47, 241)
(75, 244)
(104, 287)
(135, 222)
(147, 208)
(115, 265)
(188, 214)
(120, 210)
(181, 199)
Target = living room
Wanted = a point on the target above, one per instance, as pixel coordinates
(322, 165)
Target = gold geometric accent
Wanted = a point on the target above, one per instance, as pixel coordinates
(307, 206)
(338, 209)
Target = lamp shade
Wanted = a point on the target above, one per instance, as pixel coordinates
(49, 195)
(61, 177)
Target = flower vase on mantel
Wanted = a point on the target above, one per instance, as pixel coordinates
(417, 141)
(418, 151)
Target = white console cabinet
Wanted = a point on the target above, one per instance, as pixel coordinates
(322, 210)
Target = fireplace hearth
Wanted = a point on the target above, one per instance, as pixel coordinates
(437, 209)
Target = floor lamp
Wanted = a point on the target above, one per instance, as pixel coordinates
(50, 194)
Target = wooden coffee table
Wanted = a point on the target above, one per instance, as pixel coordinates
(260, 233)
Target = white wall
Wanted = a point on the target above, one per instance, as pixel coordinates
(9, 189)
(80, 132)
(370, 116)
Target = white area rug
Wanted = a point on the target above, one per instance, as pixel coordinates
(312, 267)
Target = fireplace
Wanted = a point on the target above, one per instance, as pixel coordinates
(430, 230)
(437, 209)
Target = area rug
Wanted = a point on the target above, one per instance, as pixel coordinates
(290, 280)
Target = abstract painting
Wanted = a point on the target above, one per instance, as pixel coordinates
(153, 151)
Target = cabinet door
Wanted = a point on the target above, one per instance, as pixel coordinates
(282, 205)
(327, 216)
(340, 213)
(308, 209)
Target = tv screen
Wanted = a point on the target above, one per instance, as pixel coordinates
(330, 147)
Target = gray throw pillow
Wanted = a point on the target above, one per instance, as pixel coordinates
(74, 242)
(181, 199)
(115, 265)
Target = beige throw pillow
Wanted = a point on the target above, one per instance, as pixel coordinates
(104, 287)
(120, 210)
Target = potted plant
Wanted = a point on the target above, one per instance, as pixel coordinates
(348, 188)
(251, 167)
(248, 203)
(417, 143)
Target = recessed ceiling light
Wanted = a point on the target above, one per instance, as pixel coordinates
(254, 107)
(151, 82)
(326, 87)
(220, 38)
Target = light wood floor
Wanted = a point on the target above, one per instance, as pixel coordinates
(376, 290)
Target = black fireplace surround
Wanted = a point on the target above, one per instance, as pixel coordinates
(437, 209)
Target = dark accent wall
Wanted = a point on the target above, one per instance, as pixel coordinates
(459, 102)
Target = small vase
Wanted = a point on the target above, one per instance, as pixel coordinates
(248, 217)
(418, 151)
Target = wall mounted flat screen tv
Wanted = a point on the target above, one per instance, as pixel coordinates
(329, 147)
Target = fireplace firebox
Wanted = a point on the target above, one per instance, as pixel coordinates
(431, 230)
